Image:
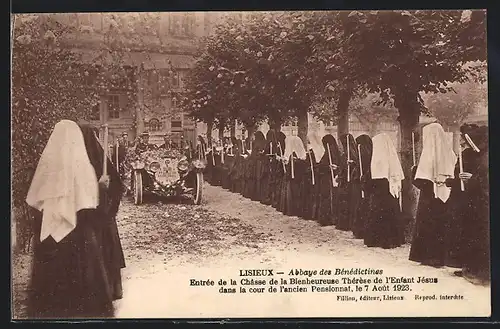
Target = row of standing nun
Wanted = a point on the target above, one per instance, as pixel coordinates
(322, 183)
(357, 187)
(78, 257)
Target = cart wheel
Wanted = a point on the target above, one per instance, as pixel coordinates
(137, 187)
(198, 191)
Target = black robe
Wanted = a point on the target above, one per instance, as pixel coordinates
(237, 169)
(461, 211)
(80, 276)
(328, 193)
(268, 179)
(227, 178)
(217, 169)
(258, 160)
(310, 191)
(210, 171)
(384, 222)
(279, 170)
(428, 245)
(350, 190)
(291, 193)
(359, 222)
(475, 254)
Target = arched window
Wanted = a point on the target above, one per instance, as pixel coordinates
(154, 125)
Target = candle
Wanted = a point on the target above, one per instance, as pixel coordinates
(281, 153)
(461, 165)
(348, 160)
(106, 148)
(413, 148)
(360, 168)
(331, 169)
(312, 166)
(117, 150)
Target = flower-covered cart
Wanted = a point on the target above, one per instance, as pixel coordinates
(168, 173)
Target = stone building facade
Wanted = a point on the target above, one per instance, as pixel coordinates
(163, 56)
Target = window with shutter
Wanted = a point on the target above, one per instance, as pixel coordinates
(113, 103)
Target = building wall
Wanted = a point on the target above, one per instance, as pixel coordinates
(173, 38)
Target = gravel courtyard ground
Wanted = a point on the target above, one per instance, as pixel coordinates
(165, 245)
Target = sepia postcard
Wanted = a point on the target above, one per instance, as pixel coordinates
(279, 164)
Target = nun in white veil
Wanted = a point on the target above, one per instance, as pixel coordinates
(384, 223)
(294, 158)
(436, 165)
(69, 276)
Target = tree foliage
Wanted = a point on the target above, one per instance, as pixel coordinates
(47, 86)
(454, 107)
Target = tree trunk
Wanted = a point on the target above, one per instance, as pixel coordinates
(409, 115)
(139, 109)
(221, 127)
(303, 126)
(343, 112)
(210, 127)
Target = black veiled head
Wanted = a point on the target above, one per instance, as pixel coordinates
(280, 138)
(366, 147)
(353, 148)
(271, 140)
(330, 142)
(478, 135)
(259, 143)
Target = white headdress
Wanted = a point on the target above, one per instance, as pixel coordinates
(64, 182)
(316, 145)
(385, 163)
(294, 144)
(437, 161)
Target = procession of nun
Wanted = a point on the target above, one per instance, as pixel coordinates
(355, 184)
(352, 183)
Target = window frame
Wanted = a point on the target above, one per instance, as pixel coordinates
(112, 109)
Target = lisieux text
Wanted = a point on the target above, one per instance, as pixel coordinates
(346, 284)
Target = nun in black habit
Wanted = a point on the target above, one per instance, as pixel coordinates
(237, 169)
(268, 180)
(350, 188)
(459, 202)
(77, 250)
(295, 160)
(436, 165)
(218, 159)
(328, 171)
(310, 184)
(384, 220)
(364, 150)
(280, 170)
(231, 154)
(249, 169)
(258, 160)
(226, 163)
(475, 252)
